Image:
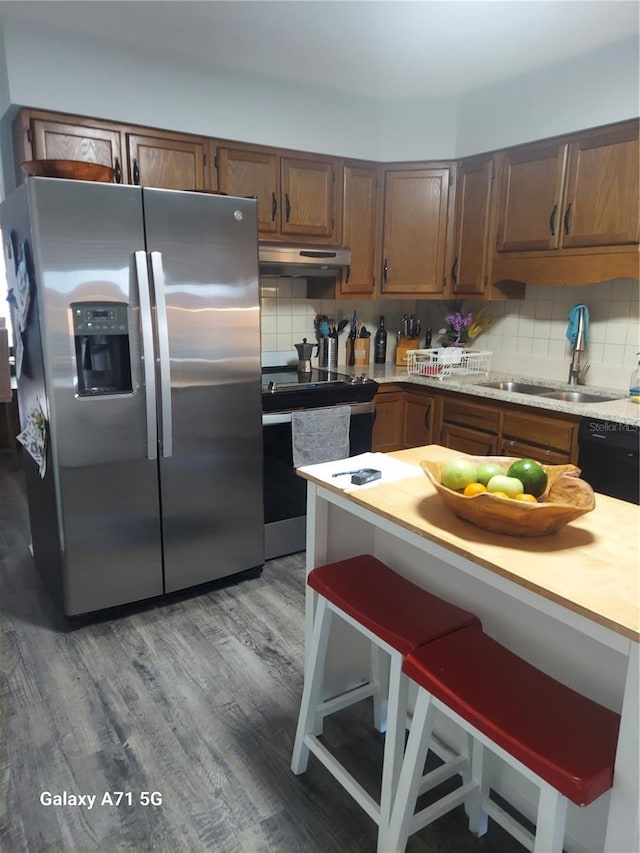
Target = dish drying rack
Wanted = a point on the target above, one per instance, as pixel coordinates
(443, 362)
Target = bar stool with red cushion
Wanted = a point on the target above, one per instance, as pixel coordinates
(396, 616)
(558, 738)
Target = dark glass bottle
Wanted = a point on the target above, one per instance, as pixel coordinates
(427, 340)
(380, 344)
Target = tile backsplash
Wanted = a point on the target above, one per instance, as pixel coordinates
(527, 337)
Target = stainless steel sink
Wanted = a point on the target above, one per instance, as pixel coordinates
(517, 387)
(578, 397)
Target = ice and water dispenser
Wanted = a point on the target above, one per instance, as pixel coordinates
(103, 361)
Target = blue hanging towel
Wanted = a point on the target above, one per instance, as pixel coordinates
(572, 328)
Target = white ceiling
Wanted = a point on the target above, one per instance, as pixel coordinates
(376, 49)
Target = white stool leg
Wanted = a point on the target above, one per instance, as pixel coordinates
(478, 818)
(313, 681)
(393, 743)
(404, 805)
(380, 710)
(552, 814)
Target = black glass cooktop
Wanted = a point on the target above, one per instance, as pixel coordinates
(287, 388)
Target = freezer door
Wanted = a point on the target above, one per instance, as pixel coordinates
(203, 253)
(85, 236)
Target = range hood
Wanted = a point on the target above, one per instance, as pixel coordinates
(285, 261)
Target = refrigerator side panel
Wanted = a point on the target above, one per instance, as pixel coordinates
(204, 254)
(46, 540)
(85, 237)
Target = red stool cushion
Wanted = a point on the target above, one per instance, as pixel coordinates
(396, 610)
(561, 735)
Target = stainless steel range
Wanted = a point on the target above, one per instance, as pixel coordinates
(284, 391)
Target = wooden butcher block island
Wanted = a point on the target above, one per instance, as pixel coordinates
(568, 602)
(590, 566)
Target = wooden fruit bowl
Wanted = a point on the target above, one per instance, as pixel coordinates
(566, 497)
(76, 170)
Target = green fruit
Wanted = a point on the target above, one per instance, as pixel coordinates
(531, 474)
(488, 470)
(458, 473)
(509, 485)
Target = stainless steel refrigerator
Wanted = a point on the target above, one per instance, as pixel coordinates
(142, 348)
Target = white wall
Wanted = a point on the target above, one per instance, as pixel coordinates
(78, 76)
(589, 90)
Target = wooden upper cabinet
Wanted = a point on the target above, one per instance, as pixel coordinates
(175, 163)
(579, 192)
(360, 217)
(308, 196)
(416, 206)
(253, 174)
(469, 271)
(61, 137)
(530, 197)
(601, 201)
(296, 196)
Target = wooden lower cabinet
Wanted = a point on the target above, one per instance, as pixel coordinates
(470, 427)
(389, 420)
(468, 440)
(420, 419)
(547, 439)
(408, 416)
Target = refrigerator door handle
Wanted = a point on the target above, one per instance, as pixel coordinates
(163, 354)
(148, 361)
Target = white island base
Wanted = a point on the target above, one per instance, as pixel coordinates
(586, 638)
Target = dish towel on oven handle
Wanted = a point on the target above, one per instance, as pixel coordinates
(320, 435)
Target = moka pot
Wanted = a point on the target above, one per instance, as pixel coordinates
(305, 351)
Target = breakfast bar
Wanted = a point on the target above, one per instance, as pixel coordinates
(567, 602)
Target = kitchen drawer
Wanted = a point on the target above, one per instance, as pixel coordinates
(468, 440)
(513, 447)
(544, 432)
(460, 410)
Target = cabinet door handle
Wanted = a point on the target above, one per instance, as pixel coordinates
(454, 272)
(118, 171)
(385, 271)
(348, 275)
(136, 173)
(427, 412)
(552, 220)
(489, 450)
(288, 206)
(274, 207)
(567, 215)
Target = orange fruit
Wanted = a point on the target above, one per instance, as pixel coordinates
(500, 495)
(474, 489)
(526, 497)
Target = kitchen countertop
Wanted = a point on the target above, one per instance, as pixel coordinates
(590, 566)
(621, 411)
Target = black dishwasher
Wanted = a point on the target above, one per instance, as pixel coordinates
(608, 455)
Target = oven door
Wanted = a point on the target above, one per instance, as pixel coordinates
(285, 494)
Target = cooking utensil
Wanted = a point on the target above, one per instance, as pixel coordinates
(342, 325)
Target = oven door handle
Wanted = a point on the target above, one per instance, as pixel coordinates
(274, 418)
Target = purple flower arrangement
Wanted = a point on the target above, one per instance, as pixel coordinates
(461, 327)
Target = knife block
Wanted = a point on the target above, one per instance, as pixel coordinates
(361, 351)
(405, 344)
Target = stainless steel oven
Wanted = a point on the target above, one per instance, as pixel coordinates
(285, 494)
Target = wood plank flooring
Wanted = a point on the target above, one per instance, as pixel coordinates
(194, 697)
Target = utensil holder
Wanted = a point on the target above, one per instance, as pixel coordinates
(405, 344)
(328, 353)
(361, 350)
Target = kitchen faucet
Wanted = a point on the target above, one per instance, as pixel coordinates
(576, 370)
